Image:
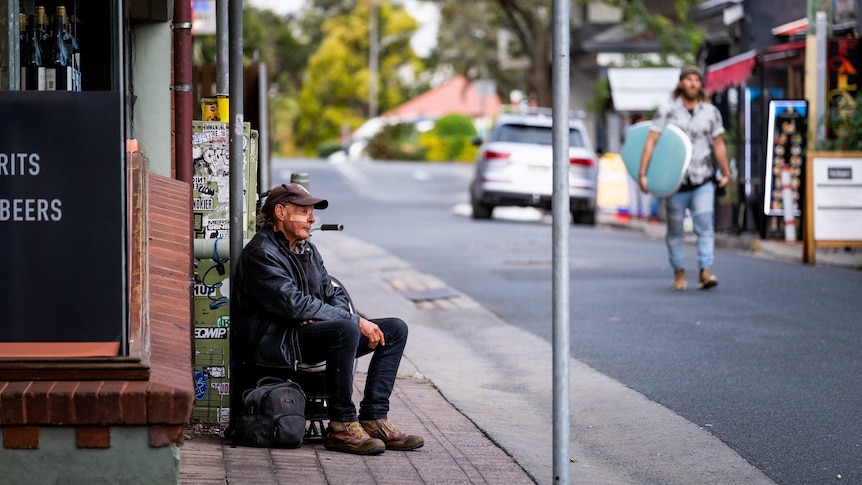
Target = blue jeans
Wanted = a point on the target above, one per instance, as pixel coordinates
(700, 202)
(339, 343)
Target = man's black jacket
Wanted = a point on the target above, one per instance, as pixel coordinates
(270, 298)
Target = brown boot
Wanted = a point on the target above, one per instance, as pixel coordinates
(678, 279)
(351, 438)
(707, 280)
(384, 430)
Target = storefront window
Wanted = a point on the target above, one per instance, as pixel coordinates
(62, 182)
(62, 45)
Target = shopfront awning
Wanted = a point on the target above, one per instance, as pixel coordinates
(787, 52)
(797, 27)
(730, 72)
(641, 89)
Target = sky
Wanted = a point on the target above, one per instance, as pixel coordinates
(424, 12)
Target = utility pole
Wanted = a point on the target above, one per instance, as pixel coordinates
(235, 124)
(822, 42)
(560, 235)
(222, 48)
(373, 54)
(816, 43)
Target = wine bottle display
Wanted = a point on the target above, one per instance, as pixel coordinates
(43, 27)
(58, 75)
(50, 54)
(33, 68)
(72, 47)
(22, 39)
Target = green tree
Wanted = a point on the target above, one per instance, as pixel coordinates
(531, 21)
(268, 38)
(467, 43)
(450, 139)
(316, 13)
(396, 141)
(676, 35)
(336, 82)
(844, 131)
(271, 40)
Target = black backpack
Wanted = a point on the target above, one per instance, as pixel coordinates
(273, 415)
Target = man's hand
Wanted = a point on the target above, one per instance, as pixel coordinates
(372, 332)
(642, 183)
(646, 155)
(720, 151)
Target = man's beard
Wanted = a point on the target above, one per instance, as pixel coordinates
(691, 95)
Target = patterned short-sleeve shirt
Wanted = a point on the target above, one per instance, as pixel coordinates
(702, 126)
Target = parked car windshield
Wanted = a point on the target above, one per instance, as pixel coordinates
(539, 135)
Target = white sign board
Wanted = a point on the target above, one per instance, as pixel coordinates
(837, 185)
(641, 89)
(204, 17)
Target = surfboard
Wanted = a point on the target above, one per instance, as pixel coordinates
(670, 157)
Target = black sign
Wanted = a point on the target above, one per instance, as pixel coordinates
(843, 78)
(62, 218)
(840, 173)
(786, 142)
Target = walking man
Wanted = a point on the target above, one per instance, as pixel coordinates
(689, 110)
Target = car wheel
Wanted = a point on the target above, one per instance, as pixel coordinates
(587, 217)
(482, 211)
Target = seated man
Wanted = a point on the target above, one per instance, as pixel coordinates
(286, 311)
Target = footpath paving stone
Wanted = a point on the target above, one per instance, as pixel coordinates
(455, 452)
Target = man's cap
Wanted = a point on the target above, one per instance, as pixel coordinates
(293, 194)
(689, 70)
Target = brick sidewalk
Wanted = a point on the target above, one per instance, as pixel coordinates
(455, 452)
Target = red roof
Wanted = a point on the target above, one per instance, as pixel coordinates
(455, 96)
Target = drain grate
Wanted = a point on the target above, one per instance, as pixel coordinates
(430, 294)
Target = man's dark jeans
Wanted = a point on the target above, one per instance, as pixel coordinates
(339, 343)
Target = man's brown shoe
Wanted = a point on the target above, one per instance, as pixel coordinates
(678, 279)
(384, 430)
(707, 280)
(351, 438)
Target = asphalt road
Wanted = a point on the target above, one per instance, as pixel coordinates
(768, 362)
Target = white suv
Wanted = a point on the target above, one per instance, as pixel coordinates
(514, 167)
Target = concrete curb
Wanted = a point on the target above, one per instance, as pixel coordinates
(850, 258)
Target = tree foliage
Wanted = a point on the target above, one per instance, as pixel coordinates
(531, 21)
(396, 141)
(467, 42)
(676, 35)
(845, 128)
(316, 13)
(335, 89)
(450, 139)
(469, 30)
(271, 40)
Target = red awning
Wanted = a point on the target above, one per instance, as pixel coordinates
(789, 46)
(783, 55)
(796, 27)
(730, 72)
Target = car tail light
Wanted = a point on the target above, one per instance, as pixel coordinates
(492, 155)
(583, 162)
